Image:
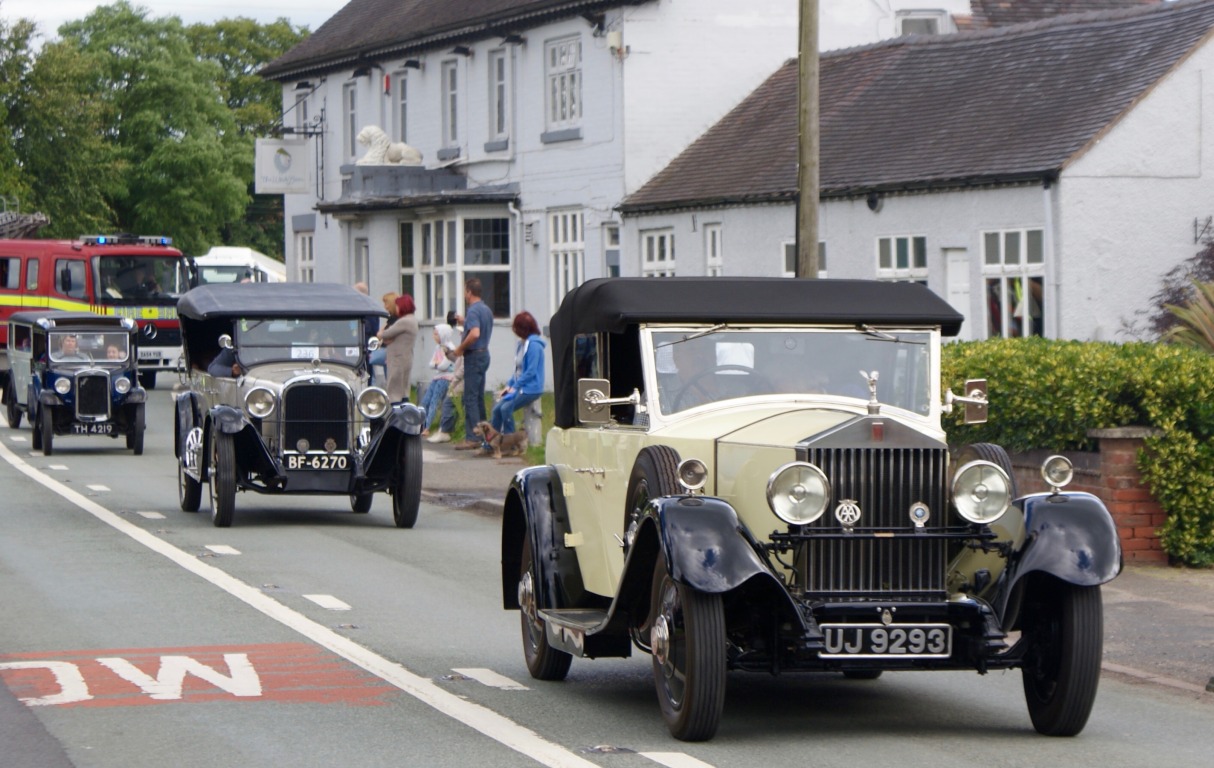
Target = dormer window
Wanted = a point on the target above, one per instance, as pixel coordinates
(927, 22)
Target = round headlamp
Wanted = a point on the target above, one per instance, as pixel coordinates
(1057, 471)
(373, 403)
(798, 493)
(259, 402)
(982, 492)
(122, 385)
(63, 385)
(692, 474)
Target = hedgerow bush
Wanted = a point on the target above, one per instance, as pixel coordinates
(1047, 394)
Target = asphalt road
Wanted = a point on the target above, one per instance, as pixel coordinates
(377, 646)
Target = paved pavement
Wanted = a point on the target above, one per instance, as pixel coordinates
(1159, 621)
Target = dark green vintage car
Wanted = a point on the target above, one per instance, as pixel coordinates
(752, 474)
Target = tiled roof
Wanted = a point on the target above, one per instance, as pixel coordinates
(369, 28)
(998, 13)
(996, 106)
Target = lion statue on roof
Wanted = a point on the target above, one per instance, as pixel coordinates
(383, 151)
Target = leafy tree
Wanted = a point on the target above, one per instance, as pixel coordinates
(1194, 321)
(16, 59)
(241, 47)
(182, 162)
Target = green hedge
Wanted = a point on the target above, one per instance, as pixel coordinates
(1048, 394)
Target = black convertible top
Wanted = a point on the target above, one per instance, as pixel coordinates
(294, 300)
(614, 304)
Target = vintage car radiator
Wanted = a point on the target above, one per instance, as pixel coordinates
(318, 413)
(93, 395)
(868, 561)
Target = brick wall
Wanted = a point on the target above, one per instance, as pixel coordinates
(1109, 473)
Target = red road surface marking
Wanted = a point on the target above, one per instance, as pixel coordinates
(282, 672)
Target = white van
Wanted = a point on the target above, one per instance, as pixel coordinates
(230, 264)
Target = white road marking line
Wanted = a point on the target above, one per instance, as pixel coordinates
(151, 515)
(56, 466)
(436, 457)
(329, 602)
(17, 439)
(224, 549)
(675, 760)
(492, 679)
(97, 487)
(482, 719)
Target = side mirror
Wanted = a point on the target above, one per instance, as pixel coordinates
(225, 341)
(593, 403)
(976, 403)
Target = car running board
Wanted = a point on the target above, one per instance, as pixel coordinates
(577, 631)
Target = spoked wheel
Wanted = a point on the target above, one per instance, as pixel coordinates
(48, 431)
(12, 412)
(687, 640)
(223, 481)
(189, 490)
(134, 438)
(1063, 628)
(407, 487)
(543, 661)
(360, 503)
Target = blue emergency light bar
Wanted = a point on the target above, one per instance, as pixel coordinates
(126, 240)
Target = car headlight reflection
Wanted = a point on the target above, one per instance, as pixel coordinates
(259, 402)
(122, 385)
(982, 492)
(798, 493)
(63, 385)
(373, 403)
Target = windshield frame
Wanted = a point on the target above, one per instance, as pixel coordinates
(166, 278)
(91, 347)
(919, 400)
(307, 339)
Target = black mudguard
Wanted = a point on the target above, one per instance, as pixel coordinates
(535, 508)
(1070, 536)
(703, 544)
(380, 458)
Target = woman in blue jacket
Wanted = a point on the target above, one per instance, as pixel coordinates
(527, 383)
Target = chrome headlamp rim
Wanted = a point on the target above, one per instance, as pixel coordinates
(782, 489)
(122, 385)
(1057, 471)
(982, 491)
(259, 402)
(373, 403)
(692, 475)
(63, 385)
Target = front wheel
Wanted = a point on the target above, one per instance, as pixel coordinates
(407, 488)
(134, 438)
(36, 425)
(360, 503)
(687, 640)
(48, 431)
(1064, 632)
(223, 481)
(543, 661)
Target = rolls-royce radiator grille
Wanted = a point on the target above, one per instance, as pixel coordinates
(93, 395)
(884, 483)
(318, 413)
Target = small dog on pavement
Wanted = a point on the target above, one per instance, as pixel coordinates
(513, 444)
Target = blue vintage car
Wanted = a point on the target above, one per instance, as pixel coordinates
(74, 373)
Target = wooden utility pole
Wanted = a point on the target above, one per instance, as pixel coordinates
(807, 148)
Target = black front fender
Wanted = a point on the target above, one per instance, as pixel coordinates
(703, 543)
(1068, 535)
(535, 510)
